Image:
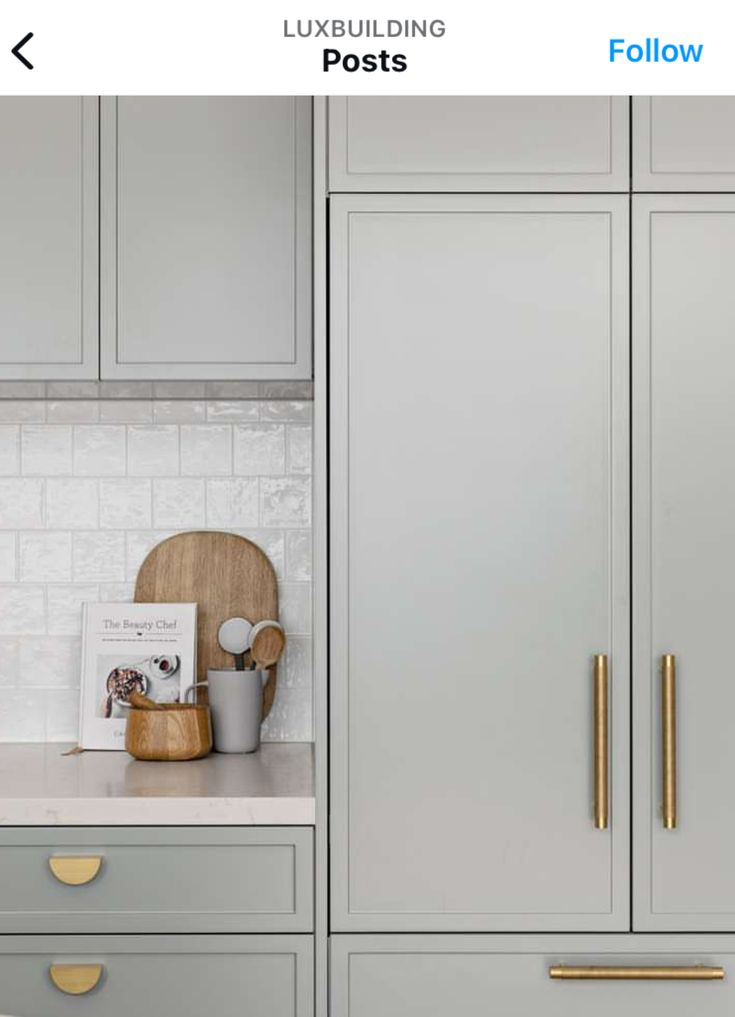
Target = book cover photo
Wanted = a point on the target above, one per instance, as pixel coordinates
(126, 648)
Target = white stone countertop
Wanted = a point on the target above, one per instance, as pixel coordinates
(40, 786)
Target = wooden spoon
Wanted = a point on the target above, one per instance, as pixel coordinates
(141, 702)
(267, 645)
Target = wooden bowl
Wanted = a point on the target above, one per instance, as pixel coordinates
(174, 731)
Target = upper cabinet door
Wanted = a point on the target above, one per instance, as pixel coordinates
(206, 237)
(478, 143)
(684, 555)
(684, 143)
(48, 240)
(479, 560)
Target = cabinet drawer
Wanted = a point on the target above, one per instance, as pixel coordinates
(465, 976)
(139, 879)
(231, 976)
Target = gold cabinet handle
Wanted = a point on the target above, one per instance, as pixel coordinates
(594, 972)
(602, 750)
(668, 740)
(75, 979)
(75, 870)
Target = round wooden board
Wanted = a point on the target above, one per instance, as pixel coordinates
(226, 575)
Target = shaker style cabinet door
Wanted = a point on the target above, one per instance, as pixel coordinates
(684, 555)
(478, 143)
(48, 241)
(684, 143)
(206, 237)
(479, 561)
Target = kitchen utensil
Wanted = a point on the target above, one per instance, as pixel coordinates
(169, 731)
(267, 642)
(234, 637)
(236, 701)
(226, 575)
(141, 702)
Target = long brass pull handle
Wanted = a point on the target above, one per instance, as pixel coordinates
(594, 972)
(75, 870)
(75, 979)
(601, 726)
(668, 740)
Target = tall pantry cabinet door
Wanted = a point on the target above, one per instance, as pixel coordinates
(48, 242)
(479, 550)
(684, 554)
(684, 143)
(206, 237)
(478, 143)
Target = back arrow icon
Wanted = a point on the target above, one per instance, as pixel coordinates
(16, 50)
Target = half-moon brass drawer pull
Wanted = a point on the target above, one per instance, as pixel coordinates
(75, 979)
(75, 870)
(592, 972)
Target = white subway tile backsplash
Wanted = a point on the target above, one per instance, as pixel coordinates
(22, 609)
(17, 411)
(206, 450)
(45, 450)
(126, 411)
(295, 607)
(98, 556)
(286, 410)
(8, 557)
(94, 478)
(232, 410)
(298, 554)
(138, 544)
(23, 715)
(9, 449)
(153, 451)
(21, 504)
(125, 504)
(62, 715)
(260, 450)
(298, 447)
(9, 674)
(290, 720)
(285, 501)
(179, 411)
(178, 503)
(50, 662)
(44, 556)
(232, 503)
(71, 504)
(271, 543)
(99, 450)
(64, 607)
(73, 411)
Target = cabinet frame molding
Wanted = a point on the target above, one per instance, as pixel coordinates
(344, 919)
(112, 367)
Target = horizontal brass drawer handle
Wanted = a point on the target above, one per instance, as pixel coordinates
(75, 979)
(75, 870)
(592, 972)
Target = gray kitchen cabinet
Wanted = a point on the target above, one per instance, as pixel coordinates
(48, 242)
(684, 143)
(479, 560)
(206, 237)
(478, 143)
(468, 976)
(684, 548)
(148, 879)
(184, 976)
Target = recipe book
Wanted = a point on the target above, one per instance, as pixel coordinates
(126, 648)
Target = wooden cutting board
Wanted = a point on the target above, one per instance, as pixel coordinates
(226, 575)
